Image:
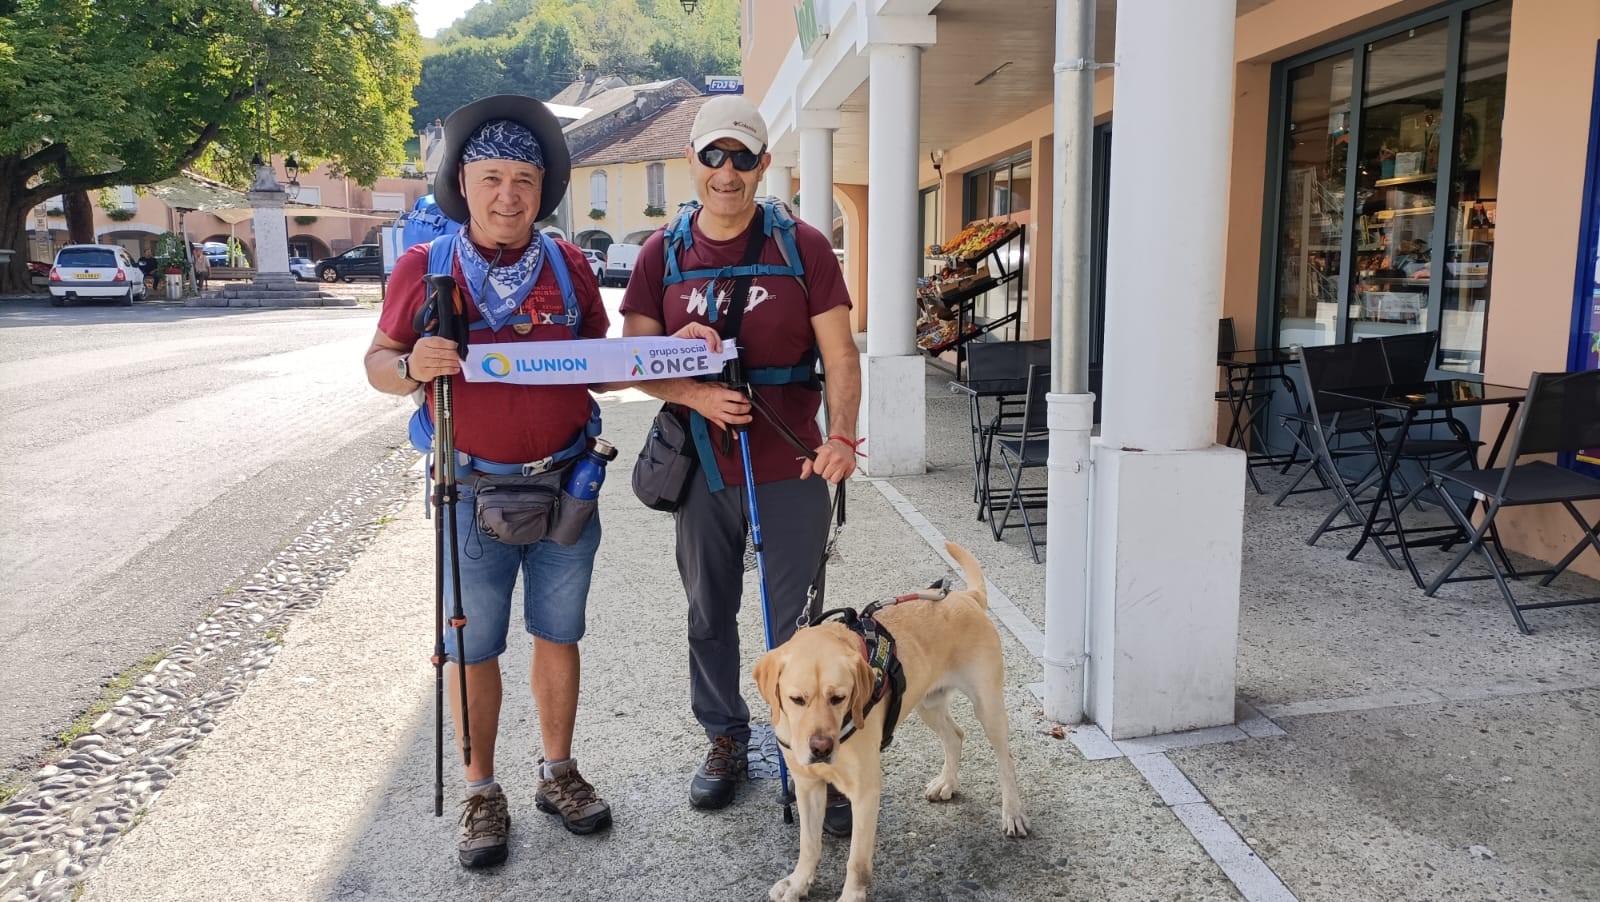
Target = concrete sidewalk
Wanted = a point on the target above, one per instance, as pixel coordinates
(1389, 746)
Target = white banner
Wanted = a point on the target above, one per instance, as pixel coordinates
(593, 360)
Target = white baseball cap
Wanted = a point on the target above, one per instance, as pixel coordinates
(729, 116)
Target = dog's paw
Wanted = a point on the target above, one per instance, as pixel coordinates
(853, 894)
(1014, 823)
(940, 789)
(789, 889)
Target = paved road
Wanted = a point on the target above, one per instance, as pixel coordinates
(150, 459)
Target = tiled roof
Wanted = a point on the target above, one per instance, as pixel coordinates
(659, 137)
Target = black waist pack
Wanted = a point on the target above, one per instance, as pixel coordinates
(666, 462)
(517, 510)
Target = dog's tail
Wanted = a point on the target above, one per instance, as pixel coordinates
(970, 571)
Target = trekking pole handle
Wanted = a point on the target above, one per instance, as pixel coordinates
(446, 305)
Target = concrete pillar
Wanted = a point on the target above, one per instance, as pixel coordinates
(893, 413)
(780, 180)
(272, 231)
(1168, 504)
(816, 170)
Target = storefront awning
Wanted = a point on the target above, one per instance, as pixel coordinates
(187, 191)
(330, 212)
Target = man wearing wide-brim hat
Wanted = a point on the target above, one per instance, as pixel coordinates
(505, 167)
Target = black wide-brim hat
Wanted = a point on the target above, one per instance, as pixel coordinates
(529, 112)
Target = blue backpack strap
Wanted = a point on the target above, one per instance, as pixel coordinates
(569, 297)
(442, 255)
(677, 238)
(702, 447)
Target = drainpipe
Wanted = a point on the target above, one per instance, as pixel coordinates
(1071, 406)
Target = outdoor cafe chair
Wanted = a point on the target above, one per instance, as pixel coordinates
(998, 370)
(1029, 449)
(1244, 397)
(1335, 367)
(1561, 415)
(1322, 431)
(1409, 355)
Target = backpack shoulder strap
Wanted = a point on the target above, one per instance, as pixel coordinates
(677, 239)
(442, 254)
(779, 224)
(557, 259)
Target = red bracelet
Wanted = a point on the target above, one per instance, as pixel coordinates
(854, 445)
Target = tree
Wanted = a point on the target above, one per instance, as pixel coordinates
(458, 74)
(96, 93)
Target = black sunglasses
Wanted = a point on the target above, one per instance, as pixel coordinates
(743, 160)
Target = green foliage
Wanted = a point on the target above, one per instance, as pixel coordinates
(597, 213)
(120, 214)
(537, 47)
(171, 253)
(101, 92)
(304, 220)
(655, 211)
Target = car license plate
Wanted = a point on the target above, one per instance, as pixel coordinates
(88, 275)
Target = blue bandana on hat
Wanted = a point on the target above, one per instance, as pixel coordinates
(499, 291)
(502, 139)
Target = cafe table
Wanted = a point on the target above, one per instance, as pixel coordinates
(1411, 401)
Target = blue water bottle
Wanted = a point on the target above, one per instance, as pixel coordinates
(583, 483)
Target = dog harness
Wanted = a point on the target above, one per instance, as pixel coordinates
(878, 647)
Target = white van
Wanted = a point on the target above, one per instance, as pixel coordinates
(620, 259)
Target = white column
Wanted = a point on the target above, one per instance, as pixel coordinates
(893, 414)
(816, 177)
(780, 180)
(1168, 503)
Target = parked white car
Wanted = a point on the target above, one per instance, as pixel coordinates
(619, 263)
(304, 269)
(100, 271)
(597, 261)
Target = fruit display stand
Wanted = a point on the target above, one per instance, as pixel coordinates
(973, 265)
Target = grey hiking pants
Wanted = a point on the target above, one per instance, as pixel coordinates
(711, 529)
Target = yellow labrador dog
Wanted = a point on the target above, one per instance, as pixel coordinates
(819, 685)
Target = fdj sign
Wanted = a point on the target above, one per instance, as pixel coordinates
(724, 84)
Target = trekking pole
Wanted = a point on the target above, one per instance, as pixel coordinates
(735, 376)
(445, 496)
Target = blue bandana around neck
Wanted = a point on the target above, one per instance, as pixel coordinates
(498, 290)
(502, 139)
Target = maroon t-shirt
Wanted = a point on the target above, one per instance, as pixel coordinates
(494, 420)
(776, 331)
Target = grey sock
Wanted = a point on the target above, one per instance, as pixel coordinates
(476, 786)
(547, 770)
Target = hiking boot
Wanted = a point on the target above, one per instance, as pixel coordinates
(713, 783)
(569, 796)
(836, 818)
(485, 821)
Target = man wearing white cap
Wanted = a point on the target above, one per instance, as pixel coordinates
(796, 310)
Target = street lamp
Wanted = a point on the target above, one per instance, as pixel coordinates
(689, 5)
(291, 168)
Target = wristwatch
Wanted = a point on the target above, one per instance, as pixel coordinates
(402, 364)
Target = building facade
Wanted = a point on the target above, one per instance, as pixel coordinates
(1391, 167)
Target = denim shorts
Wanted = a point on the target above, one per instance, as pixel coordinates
(555, 586)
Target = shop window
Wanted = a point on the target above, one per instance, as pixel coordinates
(1389, 148)
(656, 184)
(597, 191)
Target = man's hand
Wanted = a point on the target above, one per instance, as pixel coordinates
(432, 357)
(720, 404)
(836, 461)
(701, 331)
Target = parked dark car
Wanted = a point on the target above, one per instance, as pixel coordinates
(364, 261)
